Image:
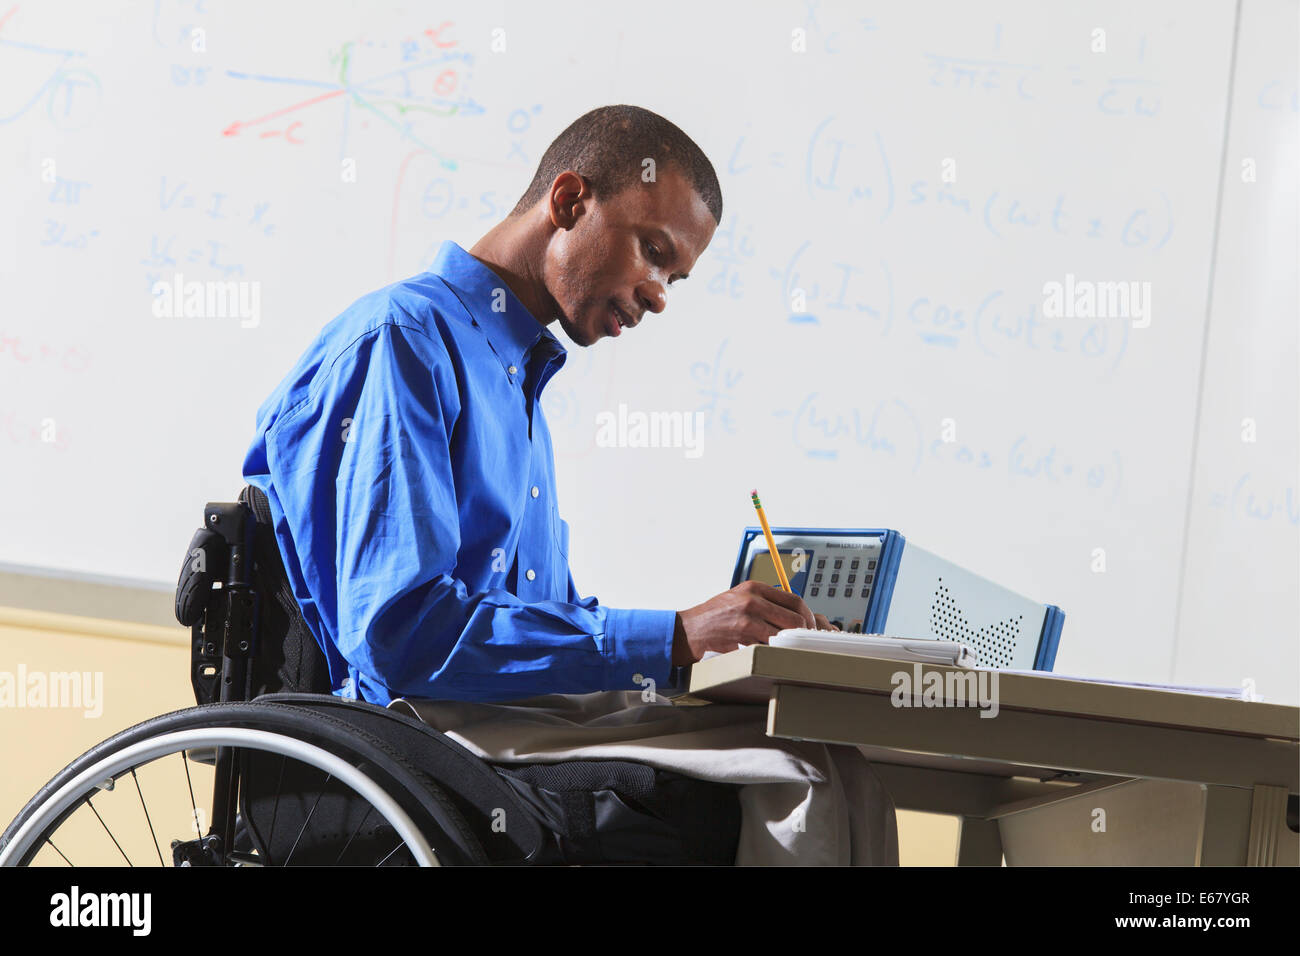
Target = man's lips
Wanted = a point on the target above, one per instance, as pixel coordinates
(612, 323)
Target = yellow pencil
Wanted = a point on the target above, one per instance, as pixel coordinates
(771, 543)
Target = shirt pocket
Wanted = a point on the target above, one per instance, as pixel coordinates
(562, 537)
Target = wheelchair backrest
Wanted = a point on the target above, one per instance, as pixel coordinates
(248, 635)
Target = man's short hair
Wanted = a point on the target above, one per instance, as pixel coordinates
(609, 146)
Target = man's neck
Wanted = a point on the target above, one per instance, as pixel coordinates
(513, 249)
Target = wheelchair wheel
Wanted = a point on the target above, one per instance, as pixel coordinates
(350, 799)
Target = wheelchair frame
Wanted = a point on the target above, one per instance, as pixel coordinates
(442, 799)
(218, 597)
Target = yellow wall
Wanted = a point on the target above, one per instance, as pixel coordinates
(927, 839)
(144, 672)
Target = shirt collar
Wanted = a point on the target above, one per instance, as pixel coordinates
(513, 332)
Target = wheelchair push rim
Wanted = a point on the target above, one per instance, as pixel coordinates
(35, 830)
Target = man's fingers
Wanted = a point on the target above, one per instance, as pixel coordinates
(777, 595)
(783, 619)
(792, 603)
(808, 616)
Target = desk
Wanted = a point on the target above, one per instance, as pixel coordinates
(1056, 751)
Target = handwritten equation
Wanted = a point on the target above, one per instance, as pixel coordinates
(36, 353)
(209, 224)
(1256, 499)
(988, 321)
(840, 166)
(891, 431)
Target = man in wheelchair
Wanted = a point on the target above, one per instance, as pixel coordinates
(399, 567)
(408, 464)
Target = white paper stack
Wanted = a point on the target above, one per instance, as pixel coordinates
(951, 653)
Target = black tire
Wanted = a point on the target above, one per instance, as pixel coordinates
(428, 807)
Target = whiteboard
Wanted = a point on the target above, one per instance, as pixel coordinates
(900, 183)
(1240, 609)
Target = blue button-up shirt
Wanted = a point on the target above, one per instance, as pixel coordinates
(411, 479)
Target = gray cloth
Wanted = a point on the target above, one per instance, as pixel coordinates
(803, 803)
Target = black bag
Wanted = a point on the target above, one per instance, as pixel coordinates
(600, 811)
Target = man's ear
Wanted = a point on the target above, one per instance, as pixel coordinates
(567, 199)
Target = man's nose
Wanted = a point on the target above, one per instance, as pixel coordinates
(652, 296)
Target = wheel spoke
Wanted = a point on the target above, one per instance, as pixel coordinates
(354, 835)
(146, 817)
(400, 844)
(59, 852)
(275, 809)
(193, 804)
(110, 833)
(306, 823)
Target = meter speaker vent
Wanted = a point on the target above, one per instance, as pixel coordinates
(995, 644)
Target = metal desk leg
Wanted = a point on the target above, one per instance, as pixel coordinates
(1225, 832)
(1246, 827)
(980, 843)
(1271, 842)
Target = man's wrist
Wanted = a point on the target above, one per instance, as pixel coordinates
(681, 646)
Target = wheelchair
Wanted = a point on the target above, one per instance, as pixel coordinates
(294, 776)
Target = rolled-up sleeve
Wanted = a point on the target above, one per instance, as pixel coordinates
(363, 471)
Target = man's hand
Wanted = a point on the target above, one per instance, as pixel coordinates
(749, 613)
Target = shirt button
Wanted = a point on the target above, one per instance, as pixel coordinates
(535, 491)
(512, 370)
(530, 574)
